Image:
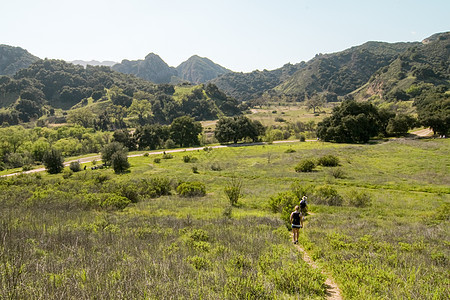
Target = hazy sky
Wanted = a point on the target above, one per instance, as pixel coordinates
(242, 35)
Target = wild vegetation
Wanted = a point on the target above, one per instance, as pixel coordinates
(213, 223)
(380, 230)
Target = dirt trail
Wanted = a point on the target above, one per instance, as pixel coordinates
(333, 292)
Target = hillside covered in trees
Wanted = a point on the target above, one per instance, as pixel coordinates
(374, 68)
(51, 87)
(12, 59)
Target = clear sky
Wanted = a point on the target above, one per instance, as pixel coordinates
(242, 35)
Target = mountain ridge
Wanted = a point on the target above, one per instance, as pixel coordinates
(12, 59)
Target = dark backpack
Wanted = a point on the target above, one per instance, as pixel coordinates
(303, 203)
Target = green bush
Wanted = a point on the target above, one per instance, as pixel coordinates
(155, 187)
(53, 161)
(198, 235)
(302, 138)
(75, 166)
(129, 191)
(328, 161)
(359, 199)
(306, 165)
(115, 202)
(119, 162)
(215, 166)
(337, 173)
(233, 190)
(186, 158)
(191, 189)
(157, 160)
(198, 262)
(282, 200)
(290, 150)
(327, 195)
(167, 156)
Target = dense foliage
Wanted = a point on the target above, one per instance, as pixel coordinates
(354, 122)
(413, 73)
(238, 128)
(101, 98)
(342, 72)
(250, 86)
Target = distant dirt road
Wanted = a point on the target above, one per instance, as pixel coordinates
(98, 157)
(423, 132)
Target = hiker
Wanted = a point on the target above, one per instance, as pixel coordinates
(304, 206)
(297, 223)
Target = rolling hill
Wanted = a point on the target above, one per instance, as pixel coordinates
(419, 68)
(152, 68)
(341, 72)
(12, 59)
(200, 70)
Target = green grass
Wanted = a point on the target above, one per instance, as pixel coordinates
(292, 113)
(182, 91)
(59, 240)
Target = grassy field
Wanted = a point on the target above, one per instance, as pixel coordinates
(268, 115)
(94, 234)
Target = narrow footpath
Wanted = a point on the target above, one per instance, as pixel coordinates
(333, 292)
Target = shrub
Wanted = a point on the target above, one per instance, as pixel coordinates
(26, 168)
(169, 144)
(195, 169)
(75, 166)
(284, 203)
(53, 161)
(157, 160)
(115, 202)
(167, 156)
(281, 200)
(119, 162)
(129, 191)
(306, 165)
(215, 166)
(233, 190)
(302, 138)
(337, 173)
(359, 199)
(198, 235)
(328, 161)
(186, 158)
(111, 148)
(101, 178)
(290, 150)
(67, 173)
(146, 154)
(198, 262)
(191, 189)
(155, 187)
(327, 195)
(227, 212)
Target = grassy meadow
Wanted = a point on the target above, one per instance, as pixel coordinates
(94, 234)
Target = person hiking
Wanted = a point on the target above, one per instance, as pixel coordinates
(304, 206)
(297, 223)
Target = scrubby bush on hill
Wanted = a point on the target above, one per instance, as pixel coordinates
(53, 161)
(328, 161)
(191, 189)
(305, 165)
